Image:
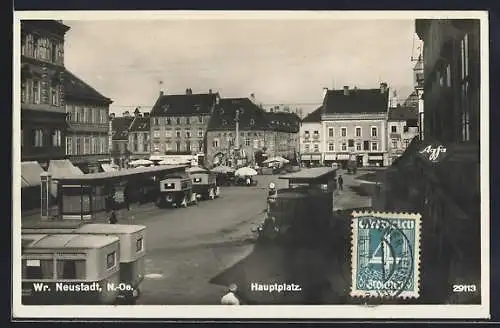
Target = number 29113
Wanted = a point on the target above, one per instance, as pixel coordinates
(464, 288)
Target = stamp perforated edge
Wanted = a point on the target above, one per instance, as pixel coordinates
(417, 253)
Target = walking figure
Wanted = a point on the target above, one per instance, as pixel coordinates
(230, 298)
(112, 218)
(340, 182)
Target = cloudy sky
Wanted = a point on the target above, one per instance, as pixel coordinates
(281, 61)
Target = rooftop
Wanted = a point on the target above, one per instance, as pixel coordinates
(314, 117)
(184, 104)
(140, 124)
(356, 101)
(121, 126)
(74, 87)
(403, 113)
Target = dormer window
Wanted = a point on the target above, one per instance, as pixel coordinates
(252, 121)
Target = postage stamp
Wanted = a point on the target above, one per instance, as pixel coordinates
(385, 255)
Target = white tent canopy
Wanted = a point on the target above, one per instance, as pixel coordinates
(62, 168)
(245, 171)
(140, 162)
(30, 174)
(277, 159)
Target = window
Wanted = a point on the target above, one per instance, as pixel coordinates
(38, 140)
(358, 131)
(465, 89)
(169, 122)
(53, 52)
(307, 147)
(331, 146)
(215, 143)
(35, 92)
(343, 132)
(200, 133)
(200, 119)
(188, 120)
(168, 133)
(374, 146)
(156, 134)
(70, 269)
(86, 146)
(54, 99)
(374, 131)
(139, 245)
(350, 143)
(394, 143)
(167, 146)
(394, 129)
(200, 146)
(448, 75)
(188, 134)
(178, 133)
(24, 91)
(178, 120)
(156, 147)
(316, 148)
(110, 260)
(407, 142)
(156, 121)
(330, 132)
(405, 129)
(358, 146)
(85, 115)
(344, 146)
(188, 145)
(178, 146)
(79, 146)
(38, 269)
(247, 142)
(56, 138)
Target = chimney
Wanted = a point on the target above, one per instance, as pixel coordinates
(346, 90)
(162, 93)
(112, 116)
(325, 91)
(383, 87)
(210, 91)
(145, 114)
(252, 97)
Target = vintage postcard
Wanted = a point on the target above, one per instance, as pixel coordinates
(317, 164)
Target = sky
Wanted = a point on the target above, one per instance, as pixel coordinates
(281, 61)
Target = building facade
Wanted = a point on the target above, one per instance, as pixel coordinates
(240, 129)
(139, 137)
(311, 146)
(87, 110)
(120, 152)
(354, 126)
(402, 127)
(43, 115)
(179, 122)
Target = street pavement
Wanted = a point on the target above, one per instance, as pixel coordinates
(187, 247)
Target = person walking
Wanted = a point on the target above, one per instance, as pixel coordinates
(112, 218)
(230, 298)
(340, 181)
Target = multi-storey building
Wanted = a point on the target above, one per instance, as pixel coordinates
(354, 125)
(179, 122)
(138, 136)
(402, 127)
(311, 147)
(120, 153)
(87, 130)
(43, 115)
(258, 131)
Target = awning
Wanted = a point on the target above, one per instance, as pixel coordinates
(315, 157)
(61, 168)
(305, 157)
(30, 174)
(375, 158)
(343, 157)
(330, 157)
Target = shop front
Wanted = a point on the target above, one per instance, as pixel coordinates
(330, 159)
(310, 160)
(343, 159)
(375, 159)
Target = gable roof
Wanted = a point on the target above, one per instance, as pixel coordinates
(184, 105)
(251, 117)
(140, 124)
(314, 116)
(403, 113)
(121, 127)
(357, 101)
(76, 88)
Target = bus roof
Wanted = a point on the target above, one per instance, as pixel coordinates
(73, 241)
(311, 174)
(102, 228)
(116, 175)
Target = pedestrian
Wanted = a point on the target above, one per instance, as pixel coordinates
(230, 298)
(340, 182)
(112, 218)
(248, 181)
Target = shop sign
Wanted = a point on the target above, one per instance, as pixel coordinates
(433, 154)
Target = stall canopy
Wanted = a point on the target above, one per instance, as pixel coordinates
(109, 167)
(62, 168)
(30, 174)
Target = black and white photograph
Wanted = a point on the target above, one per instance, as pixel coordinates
(316, 164)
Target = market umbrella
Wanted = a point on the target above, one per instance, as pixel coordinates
(196, 169)
(222, 169)
(142, 162)
(277, 159)
(245, 171)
